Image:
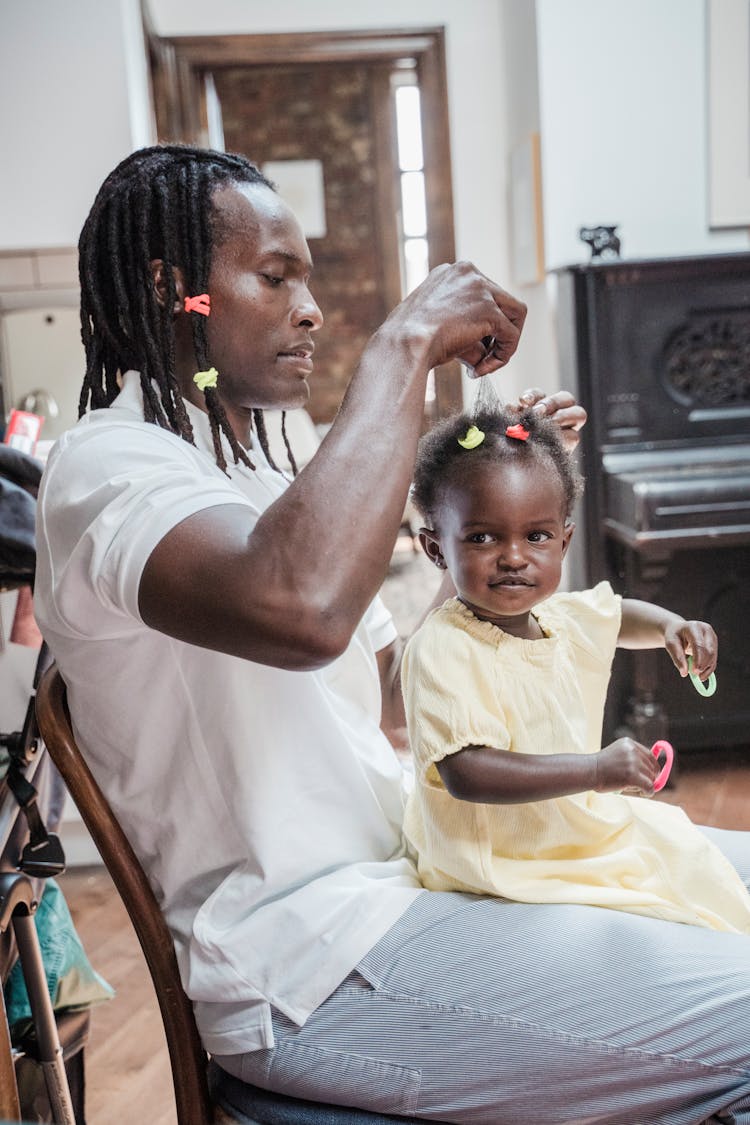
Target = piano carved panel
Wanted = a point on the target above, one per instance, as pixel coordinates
(707, 361)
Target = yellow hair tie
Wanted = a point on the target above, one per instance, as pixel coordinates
(474, 437)
(203, 379)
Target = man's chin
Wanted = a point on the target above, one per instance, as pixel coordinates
(296, 400)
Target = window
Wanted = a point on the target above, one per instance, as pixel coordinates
(412, 225)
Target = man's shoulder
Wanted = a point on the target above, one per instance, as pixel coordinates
(108, 443)
(119, 429)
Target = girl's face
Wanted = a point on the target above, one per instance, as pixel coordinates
(263, 315)
(502, 535)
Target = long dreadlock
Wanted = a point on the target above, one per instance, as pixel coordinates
(156, 204)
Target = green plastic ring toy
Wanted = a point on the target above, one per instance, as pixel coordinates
(706, 689)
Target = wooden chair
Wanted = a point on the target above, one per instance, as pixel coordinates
(188, 1059)
(186, 1054)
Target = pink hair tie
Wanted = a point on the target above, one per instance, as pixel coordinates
(200, 304)
(663, 747)
(518, 431)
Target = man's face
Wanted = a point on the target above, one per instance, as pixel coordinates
(502, 535)
(263, 315)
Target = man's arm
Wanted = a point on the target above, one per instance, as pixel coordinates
(290, 589)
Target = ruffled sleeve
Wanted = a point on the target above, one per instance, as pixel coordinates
(589, 618)
(448, 680)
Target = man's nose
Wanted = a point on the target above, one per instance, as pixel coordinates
(306, 313)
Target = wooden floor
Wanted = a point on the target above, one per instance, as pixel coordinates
(128, 1075)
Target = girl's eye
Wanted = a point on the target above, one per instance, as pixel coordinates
(272, 280)
(538, 537)
(480, 537)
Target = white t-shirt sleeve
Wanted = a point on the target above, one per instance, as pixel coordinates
(380, 626)
(108, 498)
(448, 678)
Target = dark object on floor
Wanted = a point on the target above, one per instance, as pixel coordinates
(73, 1028)
(19, 481)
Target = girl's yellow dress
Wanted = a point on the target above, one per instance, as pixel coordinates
(467, 683)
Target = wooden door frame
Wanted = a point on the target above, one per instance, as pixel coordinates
(179, 66)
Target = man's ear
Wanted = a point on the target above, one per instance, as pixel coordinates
(161, 288)
(568, 534)
(431, 547)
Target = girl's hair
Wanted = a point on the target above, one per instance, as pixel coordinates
(155, 204)
(442, 461)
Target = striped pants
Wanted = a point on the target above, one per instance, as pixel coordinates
(474, 1009)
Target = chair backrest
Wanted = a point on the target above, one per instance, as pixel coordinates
(187, 1057)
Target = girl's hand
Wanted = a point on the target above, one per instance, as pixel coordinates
(692, 638)
(561, 407)
(627, 766)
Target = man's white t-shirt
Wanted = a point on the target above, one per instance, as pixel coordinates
(265, 805)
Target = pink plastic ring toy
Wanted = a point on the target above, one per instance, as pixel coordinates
(666, 747)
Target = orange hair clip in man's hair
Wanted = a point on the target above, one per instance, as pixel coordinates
(200, 304)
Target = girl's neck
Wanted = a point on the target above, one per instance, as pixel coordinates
(525, 628)
(530, 630)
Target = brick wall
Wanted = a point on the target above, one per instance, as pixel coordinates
(322, 112)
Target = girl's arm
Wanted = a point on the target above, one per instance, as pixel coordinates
(503, 777)
(643, 625)
(652, 626)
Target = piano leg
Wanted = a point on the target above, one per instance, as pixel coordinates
(645, 718)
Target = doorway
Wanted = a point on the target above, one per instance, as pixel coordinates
(332, 105)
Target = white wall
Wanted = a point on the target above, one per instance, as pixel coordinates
(623, 113)
(74, 75)
(535, 362)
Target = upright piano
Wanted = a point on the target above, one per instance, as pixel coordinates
(658, 352)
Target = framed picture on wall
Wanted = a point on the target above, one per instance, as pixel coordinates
(728, 113)
(527, 233)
